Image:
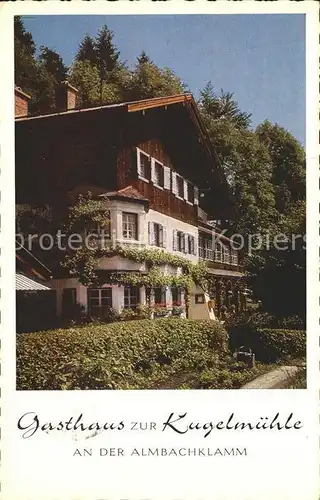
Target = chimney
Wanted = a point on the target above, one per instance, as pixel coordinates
(21, 102)
(66, 97)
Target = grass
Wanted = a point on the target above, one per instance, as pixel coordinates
(226, 374)
(299, 380)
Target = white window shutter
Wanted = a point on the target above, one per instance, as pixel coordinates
(174, 183)
(185, 190)
(151, 233)
(153, 171)
(196, 195)
(164, 237)
(174, 240)
(195, 252)
(186, 243)
(138, 161)
(166, 175)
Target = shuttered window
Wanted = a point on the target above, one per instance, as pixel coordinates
(158, 174)
(143, 165)
(191, 244)
(166, 178)
(190, 193)
(156, 234)
(180, 186)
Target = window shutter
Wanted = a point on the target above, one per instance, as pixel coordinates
(185, 190)
(166, 173)
(194, 246)
(160, 235)
(196, 195)
(149, 233)
(164, 237)
(137, 156)
(174, 183)
(174, 240)
(153, 171)
(184, 241)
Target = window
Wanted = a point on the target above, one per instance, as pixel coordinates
(176, 296)
(180, 241)
(191, 244)
(180, 186)
(129, 226)
(190, 192)
(158, 235)
(131, 297)
(99, 301)
(144, 165)
(160, 296)
(99, 230)
(158, 174)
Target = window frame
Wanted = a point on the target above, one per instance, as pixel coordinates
(181, 241)
(190, 185)
(145, 176)
(179, 179)
(128, 303)
(100, 298)
(158, 234)
(157, 163)
(136, 233)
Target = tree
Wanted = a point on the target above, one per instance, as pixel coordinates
(288, 163)
(245, 161)
(223, 107)
(143, 58)
(108, 56)
(148, 80)
(87, 51)
(24, 57)
(38, 77)
(52, 62)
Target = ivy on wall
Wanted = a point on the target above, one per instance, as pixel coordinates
(83, 263)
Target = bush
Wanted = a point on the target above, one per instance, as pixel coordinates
(270, 344)
(125, 355)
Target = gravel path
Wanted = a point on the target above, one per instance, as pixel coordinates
(276, 379)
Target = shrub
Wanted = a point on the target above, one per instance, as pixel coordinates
(270, 344)
(125, 355)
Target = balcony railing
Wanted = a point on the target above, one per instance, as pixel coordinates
(219, 256)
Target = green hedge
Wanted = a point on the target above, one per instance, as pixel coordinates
(270, 344)
(128, 355)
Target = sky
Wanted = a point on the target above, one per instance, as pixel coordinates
(259, 58)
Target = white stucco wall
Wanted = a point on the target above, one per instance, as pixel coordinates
(172, 224)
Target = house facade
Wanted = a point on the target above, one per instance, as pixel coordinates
(161, 188)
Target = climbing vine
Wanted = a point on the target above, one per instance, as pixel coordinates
(83, 263)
